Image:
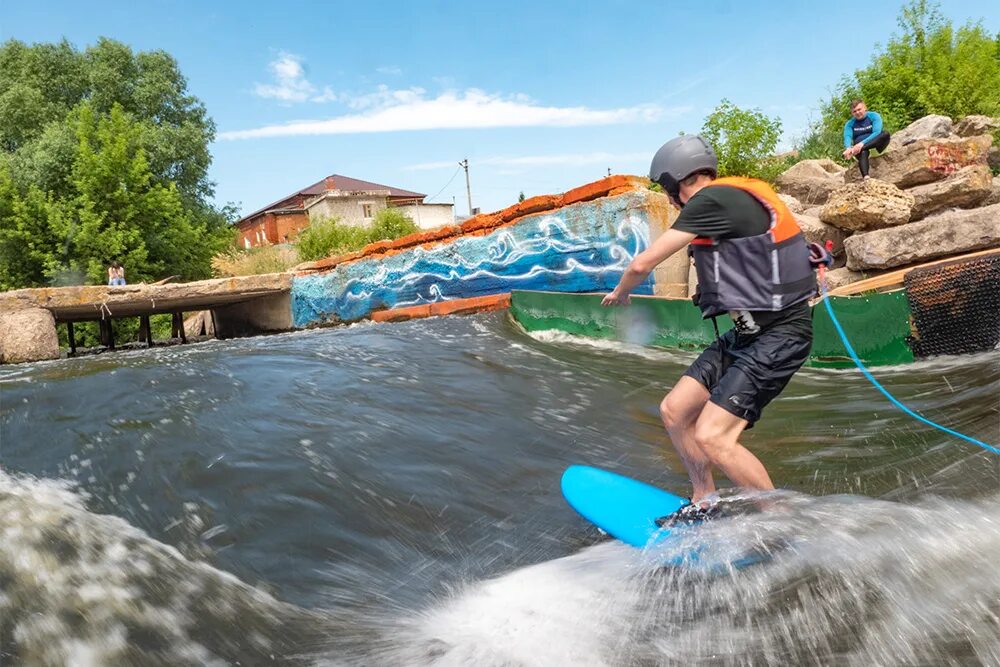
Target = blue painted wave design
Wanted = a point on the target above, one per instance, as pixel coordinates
(542, 254)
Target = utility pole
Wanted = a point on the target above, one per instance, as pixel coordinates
(464, 164)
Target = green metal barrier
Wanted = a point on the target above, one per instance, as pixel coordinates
(876, 324)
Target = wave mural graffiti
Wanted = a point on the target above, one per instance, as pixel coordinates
(579, 248)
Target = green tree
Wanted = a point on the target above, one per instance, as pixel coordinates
(744, 140)
(103, 155)
(929, 67)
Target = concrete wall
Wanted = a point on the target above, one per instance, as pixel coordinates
(350, 209)
(577, 248)
(254, 316)
(430, 216)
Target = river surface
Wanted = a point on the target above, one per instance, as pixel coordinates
(388, 494)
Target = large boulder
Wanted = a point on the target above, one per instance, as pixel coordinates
(993, 160)
(972, 126)
(28, 335)
(870, 204)
(928, 127)
(817, 231)
(941, 235)
(811, 181)
(967, 187)
(927, 160)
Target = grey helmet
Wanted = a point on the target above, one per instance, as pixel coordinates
(679, 158)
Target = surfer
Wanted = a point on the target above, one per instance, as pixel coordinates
(753, 264)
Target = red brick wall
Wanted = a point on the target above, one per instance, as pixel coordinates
(289, 225)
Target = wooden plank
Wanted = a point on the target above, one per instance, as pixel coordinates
(894, 279)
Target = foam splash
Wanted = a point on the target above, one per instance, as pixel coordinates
(88, 589)
(854, 581)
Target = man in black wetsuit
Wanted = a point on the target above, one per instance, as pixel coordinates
(754, 265)
(862, 133)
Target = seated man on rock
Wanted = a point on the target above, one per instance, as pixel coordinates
(863, 132)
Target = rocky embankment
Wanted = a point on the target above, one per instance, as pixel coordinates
(930, 195)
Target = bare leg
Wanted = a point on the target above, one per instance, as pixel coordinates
(679, 411)
(716, 433)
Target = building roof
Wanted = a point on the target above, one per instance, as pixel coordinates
(339, 183)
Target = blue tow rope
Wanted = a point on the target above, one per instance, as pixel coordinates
(871, 378)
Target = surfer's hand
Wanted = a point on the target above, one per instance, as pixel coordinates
(616, 299)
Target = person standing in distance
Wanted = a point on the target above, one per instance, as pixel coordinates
(754, 265)
(863, 132)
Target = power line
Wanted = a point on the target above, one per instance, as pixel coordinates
(448, 183)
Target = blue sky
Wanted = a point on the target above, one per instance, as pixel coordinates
(540, 97)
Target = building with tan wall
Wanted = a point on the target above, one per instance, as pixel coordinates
(351, 200)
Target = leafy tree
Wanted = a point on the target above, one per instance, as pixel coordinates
(930, 67)
(744, 140)
(103, 155)
(41, 84)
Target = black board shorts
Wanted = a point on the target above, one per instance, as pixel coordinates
(744, 373)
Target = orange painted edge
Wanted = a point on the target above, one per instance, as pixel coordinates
(484, 222)
(476, 304)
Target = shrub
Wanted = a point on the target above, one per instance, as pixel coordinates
(255, 261)
(326, 236)
(391, 223)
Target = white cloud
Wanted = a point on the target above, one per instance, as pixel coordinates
(389, 69)
(290, 82)
(398, 110)
(566, 159)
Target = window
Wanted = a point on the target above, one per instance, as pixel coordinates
(366, 211)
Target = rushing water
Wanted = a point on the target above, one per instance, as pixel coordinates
(389, 495)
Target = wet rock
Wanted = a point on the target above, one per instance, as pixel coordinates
(940, 235)
(811, 181)
(927, 160)
(870, 204)
(966, 188)
(28, 335)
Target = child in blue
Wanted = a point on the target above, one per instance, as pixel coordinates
(863, 132)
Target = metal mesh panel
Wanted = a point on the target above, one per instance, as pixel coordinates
(955, 306)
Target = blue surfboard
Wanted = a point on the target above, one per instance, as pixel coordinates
(627, 509)
(624, 508)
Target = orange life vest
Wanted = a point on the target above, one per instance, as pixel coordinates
(766, 272)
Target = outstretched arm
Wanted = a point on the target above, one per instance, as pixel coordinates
(642, 264)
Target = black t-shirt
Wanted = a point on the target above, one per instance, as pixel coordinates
(725, 212)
